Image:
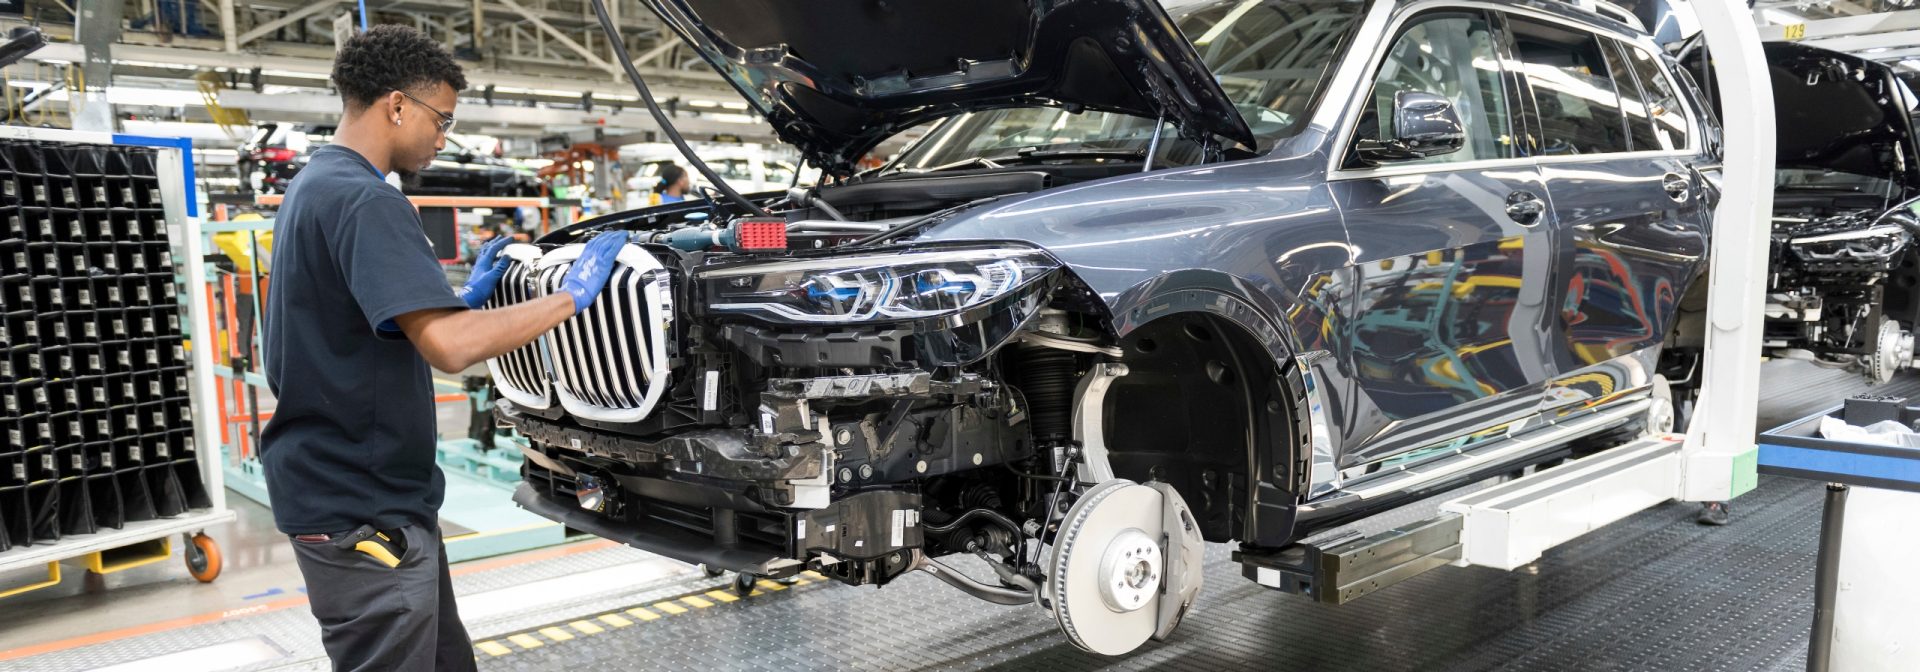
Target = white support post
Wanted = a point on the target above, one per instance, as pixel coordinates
(1719, 456)
(230, 39)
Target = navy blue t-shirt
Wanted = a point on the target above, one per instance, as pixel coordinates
(351, 441)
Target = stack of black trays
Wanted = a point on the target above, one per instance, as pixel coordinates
(93, 378)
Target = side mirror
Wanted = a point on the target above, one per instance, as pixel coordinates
(1424, 125)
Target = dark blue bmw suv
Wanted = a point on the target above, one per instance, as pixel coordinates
(1146, 277)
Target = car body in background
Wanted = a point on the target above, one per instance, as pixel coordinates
(749, 168)
(1844, 287)
(278, 150)
(1151, 277)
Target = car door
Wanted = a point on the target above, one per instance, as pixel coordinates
(1453, 255)
(1628, 204)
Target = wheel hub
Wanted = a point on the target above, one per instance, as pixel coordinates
(1130, 572)
(1660, 414)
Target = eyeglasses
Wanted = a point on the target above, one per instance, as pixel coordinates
(446, 120)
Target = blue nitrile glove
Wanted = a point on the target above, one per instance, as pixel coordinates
(487, 270)
(589, 272)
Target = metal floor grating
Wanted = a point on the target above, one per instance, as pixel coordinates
(1652, 592)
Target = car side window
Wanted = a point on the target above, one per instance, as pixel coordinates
(1572, 87)
(1662, 99)
(1453, 56)
(1632, 101)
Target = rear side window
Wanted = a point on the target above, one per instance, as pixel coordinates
(1632, 101)
(1573, 89)
(1662, 100)
(1453, 56)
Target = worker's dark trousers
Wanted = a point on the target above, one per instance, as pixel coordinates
(376, 617)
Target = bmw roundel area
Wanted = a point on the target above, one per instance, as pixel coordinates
(1001, 334)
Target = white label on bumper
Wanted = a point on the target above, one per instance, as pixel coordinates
(899, 527)
(801, 531)
(710, 398)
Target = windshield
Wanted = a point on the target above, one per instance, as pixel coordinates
(1272, 57)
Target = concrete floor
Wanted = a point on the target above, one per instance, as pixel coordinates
(259, 576)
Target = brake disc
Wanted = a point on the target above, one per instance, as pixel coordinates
(1892, 351)
(1125, 566)
(1660, 413)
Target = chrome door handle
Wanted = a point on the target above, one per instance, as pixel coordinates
(1677, 186)
(1524, 208)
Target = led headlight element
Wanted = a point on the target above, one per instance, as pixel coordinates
(874, 288)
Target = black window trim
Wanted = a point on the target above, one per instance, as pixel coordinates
(1346, 122)
(1508, 80)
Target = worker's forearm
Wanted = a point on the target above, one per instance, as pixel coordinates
(464, 338)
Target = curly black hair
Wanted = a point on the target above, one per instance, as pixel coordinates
(391, 58)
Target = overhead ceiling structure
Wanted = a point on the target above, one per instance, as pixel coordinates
(535, 67)
(1881, 30)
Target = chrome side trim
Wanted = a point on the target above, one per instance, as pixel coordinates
(1391, 480)
(1323, 473)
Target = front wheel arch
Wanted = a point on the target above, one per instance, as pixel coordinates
(1207, 407)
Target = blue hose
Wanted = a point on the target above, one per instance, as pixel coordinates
(363, 16)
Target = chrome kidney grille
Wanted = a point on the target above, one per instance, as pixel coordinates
(606, 363)
(521, 375)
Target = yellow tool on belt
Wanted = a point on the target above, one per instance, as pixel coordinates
(376, 544)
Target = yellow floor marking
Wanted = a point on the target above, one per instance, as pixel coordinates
(643, 614)
(556, 634)
(813, 575)
(769, 585)
(722, 595)
(587, 628)
(525, 641)
(494, 648)
(696, 602)
(670, 608)
(615, 620)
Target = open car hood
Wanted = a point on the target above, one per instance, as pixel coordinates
(836, 77)
(1839, 112)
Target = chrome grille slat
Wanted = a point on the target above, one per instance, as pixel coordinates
(613, 340)
(635, 339)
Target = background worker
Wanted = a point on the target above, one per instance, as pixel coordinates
(359, 310)
(673, 184)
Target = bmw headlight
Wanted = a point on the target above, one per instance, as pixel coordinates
(891, 287)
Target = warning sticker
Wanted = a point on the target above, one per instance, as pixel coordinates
(710, 397)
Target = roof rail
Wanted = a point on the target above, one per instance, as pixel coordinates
(1611, 11)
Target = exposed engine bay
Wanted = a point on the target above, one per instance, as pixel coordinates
(774, 394)
(1842, 288)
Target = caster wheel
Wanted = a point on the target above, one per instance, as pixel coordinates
(711, 572)
(203, 558)
(743, 584)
